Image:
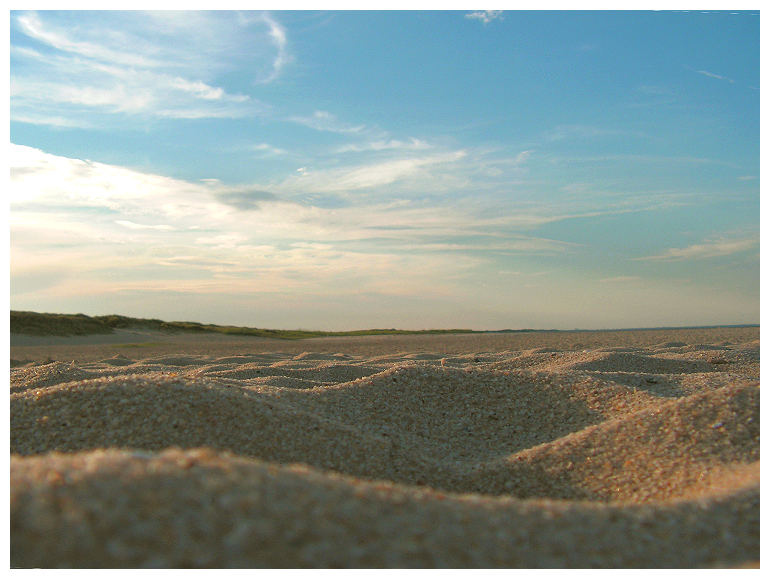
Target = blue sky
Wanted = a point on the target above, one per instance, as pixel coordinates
(339, 170)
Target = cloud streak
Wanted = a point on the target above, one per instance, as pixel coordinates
(93, 216)
(32, 25)
(485, 16)
(713, 75)
(385, 145)
(368, 176)
(125, 233)
(122, 65)
(708, 250)
(326, 121)
(282, 57)
(136, 226)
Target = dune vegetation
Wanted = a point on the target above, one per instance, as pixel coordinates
(45, 324)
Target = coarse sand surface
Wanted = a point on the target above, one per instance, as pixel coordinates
(623, 449)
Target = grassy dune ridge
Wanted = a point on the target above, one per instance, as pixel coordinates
(45, 324)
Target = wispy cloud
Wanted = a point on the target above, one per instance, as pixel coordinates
(48, 182)
(485, 16)
(278, 37)
(385, 145)
(89, 214)
(326, 121)
(305, 204)
(122, 64)
(267, 149)
(522, 157)
(32, 25)
(713, 75)
(132, 225)
(517, 244)
(80, 227)
(42, 183)
(367, 176)
(32, 117)
(197, 237)
(709, 249)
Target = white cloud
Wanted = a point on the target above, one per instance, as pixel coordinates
(32, 25)
(366, 176)
(712, 75)
(133, 93)
(115, 64)
(385, 145)
(706, 250)
(132, 225)
(485, 16)
(522, 157)
(519, 244)
(202, 90)
(44, 182)
(33, 118)
(91, 216)
(267, 149)
(87, 232)
(326, 121)
(278, 36)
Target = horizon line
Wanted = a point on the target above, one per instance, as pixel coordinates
(454, 330)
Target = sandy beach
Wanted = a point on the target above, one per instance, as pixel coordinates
(622, 449)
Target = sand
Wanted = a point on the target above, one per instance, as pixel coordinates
(543, 450)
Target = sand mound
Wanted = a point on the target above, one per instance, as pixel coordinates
(153, 412)
(612, 457)
(203, 509)
(629, 362)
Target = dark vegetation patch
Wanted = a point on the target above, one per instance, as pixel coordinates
(57, 324)
(38, 324)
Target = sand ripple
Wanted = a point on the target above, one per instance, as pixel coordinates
(614, 457)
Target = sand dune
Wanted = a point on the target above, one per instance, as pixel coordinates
(458, 453)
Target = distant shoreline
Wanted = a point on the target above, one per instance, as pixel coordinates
(26, 323)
